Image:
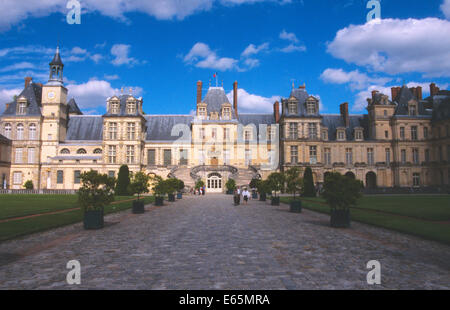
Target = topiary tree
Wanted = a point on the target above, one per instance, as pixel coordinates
(139, 183)
(276, 182)
(263, 187)
(123, 181)
(28, 185)
(159, 187)
(96, 191)
(293, 181)
(308, 184)
(340, 191)
(230, 185)
(180, 185)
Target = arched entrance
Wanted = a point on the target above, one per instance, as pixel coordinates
(214, 183)
(350, 175)
(371, 180)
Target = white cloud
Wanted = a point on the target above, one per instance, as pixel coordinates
(253, 50)
(445, 8)
(293, 48)
(6, 96)
(202, 56)
(250, 103)
(290, 36)
(251, 63)
(120, 52)
(356, 79)
(111, 77)
(18, 66)
(397, 46)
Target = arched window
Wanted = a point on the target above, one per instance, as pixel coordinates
(8, 130)
(32, 132)
(81, 151)
(20, 132)
(98, 151)
(65, 151)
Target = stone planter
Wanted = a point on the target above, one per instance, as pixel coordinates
(275, 201)
(340, 218)
(138, 207)
(171, 197)
(262, 197)
(296, 206)
(159, 201)
(179, 195)
(93, 219)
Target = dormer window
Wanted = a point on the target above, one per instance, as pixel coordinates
(341, 134)
(21, 106)
(292, 107)
(114, 107)
(324, 135)
(412, 110)
(359, 134)
(131, 108)
(311, 107)
(226, 113)
(202, 113)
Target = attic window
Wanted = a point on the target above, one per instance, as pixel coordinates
(202, 113)
(292, 107)
(114, 109)
(131, 108)
(341, 135)
(97, 151)
(81, 151)
(21, 108)
(412, 110)
(65, 151)
(358, 135)
(324, 134)
(311, 107)
(226, 114)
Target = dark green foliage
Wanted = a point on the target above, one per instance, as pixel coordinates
(308, 184)
(341, 192)
(96, 191)
(276, 182)
(199, 184)
(180, 185)
(254, 183)
(230, 185)
(263, 187)
(171, 185)
(139, 183)
(293, 181)
(28, 185)
(123, 181)
(159, 187)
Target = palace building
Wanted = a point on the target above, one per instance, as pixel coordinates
(45, 138)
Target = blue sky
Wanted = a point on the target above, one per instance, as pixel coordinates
(162, 49)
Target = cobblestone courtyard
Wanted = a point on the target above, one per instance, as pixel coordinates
(207, 243)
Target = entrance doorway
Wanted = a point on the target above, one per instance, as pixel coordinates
(371, 180)
(214, 183)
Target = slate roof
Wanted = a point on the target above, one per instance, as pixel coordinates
(159, 127)
(333, 121)
(123, 107)
(73, 107)
(441, 106)
(214, 99)
(85, 128)
(301, 95)
(57, 59)
(33, 94)
(405, 95)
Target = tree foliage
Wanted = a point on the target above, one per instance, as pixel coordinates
(253, 183)
(96, 191)
(199, 184)
(340, 191)
(263, 187)
(231, 184)
(294, 182)
(171, 185)
(309, 189)
(28, 185)
(139, 183)
(276, 182)
(123, 181)
(158, 186)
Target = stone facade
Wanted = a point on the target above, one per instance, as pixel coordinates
(404, 142)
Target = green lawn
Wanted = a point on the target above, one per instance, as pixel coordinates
(22, 205)
(425, 211)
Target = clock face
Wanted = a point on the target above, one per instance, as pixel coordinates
(51, 95)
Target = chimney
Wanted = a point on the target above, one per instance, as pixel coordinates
(235, 97)
(7, 106)
(276, 111)
(344, 114)
(374, 92)
(28, 81)
(394, 92)
(433, 89)
(199, 91)
(419, 93)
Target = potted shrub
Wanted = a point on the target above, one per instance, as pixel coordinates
(308, 184)
(171, 187)
(294, 185)
(180, 188)
(199, 184)
(95, 193)
(139, 185)
(159, 189)
(253, 185)
(276, 184)
(341, 192)
(28, 185)
(263, 188)
(230, 186)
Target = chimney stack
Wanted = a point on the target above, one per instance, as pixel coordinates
(199, 91)
(276, 111)
(419, 93)
(28, 81)
(394, 92)
(344, 114)
(433, 89)
(235, 97)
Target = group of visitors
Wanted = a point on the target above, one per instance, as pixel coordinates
(198, 191)
(245, 195)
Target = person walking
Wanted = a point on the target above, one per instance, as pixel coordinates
(246, 195)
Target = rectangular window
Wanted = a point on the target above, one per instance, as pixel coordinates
(111, 174)
(416, 179)
(167, 157)
(248, 157)
(341, 135)
(415, 153)
(349, 156)
(412, 110)
(313, 154)
(151, 157)
(312, 131)
(76, 177)
(32, 132)
(214, 133)
(226, 134)
(17, 177)
(402, 133)
(201, 157)
(21, 108)
(388, 156)
(226, 157)
(112, 131)
(370, 156)
(294, 154)
(327, 156)
(131, 131)
(403, 156)
(414, 133)
(324, 135)
(201, 133)
(19, 155)
(427, 155)
(292, 108)
(386, 134)
(293, 130)
(59, 177)
(31, 155)
(112, 154)
(247, 135)
(425, 132)
(183, 157)
(130, 154)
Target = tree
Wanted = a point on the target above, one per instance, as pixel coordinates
(139, 183)
(28, 185)
(308, 184)
(263, 187)
(123, 181)
(171, 185)
(341, 192)
(293, 181)
(276, 182)
(254, 183)
(230, 185)
(199, 184)
(158, 186)
(96, 191)
(180, 185)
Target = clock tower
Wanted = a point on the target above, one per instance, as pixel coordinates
(54, 109)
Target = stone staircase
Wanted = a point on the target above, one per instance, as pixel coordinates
(184, 173)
